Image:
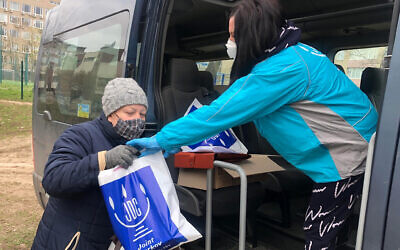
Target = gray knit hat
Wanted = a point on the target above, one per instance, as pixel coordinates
(120, 92)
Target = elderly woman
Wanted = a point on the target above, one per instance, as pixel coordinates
(75, 216)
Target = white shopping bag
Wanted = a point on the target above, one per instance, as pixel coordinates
(224, 142)
(143, 205)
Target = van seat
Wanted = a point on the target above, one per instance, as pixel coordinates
(373, 84)
(340, 67)
(221, 88)
(182, 86)
(283, 186)
(207, 82)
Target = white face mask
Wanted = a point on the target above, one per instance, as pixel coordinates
(231, 49)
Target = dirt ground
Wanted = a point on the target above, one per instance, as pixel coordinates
(19, 210)
(16, 103)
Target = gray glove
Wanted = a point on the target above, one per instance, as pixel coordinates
(122, 155)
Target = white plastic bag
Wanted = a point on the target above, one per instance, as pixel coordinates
(224, 142)
(143, 205)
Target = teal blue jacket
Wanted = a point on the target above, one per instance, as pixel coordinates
(308, 110)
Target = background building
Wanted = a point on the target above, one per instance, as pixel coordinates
(21, 24)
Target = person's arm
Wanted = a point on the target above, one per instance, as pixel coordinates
(249, 98)
(70, 169)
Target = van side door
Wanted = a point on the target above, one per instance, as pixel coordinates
(382, 218)
(73, 69)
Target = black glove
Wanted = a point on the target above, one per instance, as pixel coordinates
(122, 155)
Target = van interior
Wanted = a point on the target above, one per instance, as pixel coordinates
(194, 64)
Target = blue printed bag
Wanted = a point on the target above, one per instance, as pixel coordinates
(224, 142)
(143, 205)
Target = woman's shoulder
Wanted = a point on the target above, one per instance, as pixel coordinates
(281, 63)
(80, 135)
(79, 127)
(80, 130)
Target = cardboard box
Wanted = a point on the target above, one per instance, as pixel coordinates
(255, 168)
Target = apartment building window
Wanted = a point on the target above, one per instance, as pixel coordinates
(14, 5)
(26, 21)
(38, 11)
(3, 4)
(26, 35)
(38, 24)
(3, 31)
(26, 49)
(14, 47)
(54, 2)
(14, 20)
(36, 37)
(26, 8)
(14, 33)
(3, 18)
(354, 73)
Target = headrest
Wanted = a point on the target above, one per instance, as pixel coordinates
(340, 67)
(372, 80)
(206, 80)
(182, 74)
(373, 84)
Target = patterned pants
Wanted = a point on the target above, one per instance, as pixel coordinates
(330, 205)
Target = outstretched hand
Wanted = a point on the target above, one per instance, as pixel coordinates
(148, 146)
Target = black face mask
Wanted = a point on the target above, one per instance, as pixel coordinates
(130, 129)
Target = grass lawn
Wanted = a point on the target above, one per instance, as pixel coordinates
(19, 210)
(11, 90)
(15, 119)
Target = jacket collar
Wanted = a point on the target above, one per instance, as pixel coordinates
(109, 131)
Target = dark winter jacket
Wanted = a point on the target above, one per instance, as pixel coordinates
(76, 206)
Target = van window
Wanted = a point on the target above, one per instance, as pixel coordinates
(76, 66)
(221, 70)
(354, 61)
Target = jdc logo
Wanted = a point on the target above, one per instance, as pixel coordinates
(132, 211)
(132, 214)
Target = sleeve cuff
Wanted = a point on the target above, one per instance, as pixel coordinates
(101, 156)
(161, 142)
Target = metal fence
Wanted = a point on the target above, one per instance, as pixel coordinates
(15, 75)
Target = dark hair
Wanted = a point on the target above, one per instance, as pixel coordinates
(257, 27)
